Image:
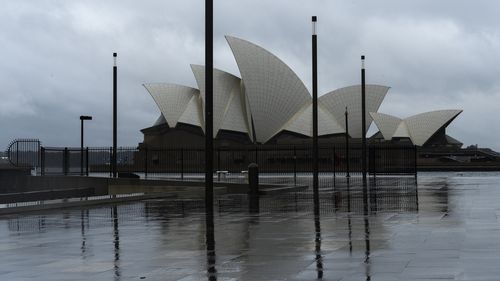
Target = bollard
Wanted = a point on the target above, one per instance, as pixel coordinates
(253, 184)
(42, 161)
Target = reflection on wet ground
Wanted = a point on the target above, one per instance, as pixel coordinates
(448, 230)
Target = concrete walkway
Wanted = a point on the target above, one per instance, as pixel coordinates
(448, 230)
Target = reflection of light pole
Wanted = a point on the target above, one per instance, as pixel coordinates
(347, 142)
(349, 223)
(367, 246)
(82, 118)
(317, 250)
(315, 114)
(116, 242)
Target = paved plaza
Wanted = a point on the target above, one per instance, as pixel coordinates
(446, 229)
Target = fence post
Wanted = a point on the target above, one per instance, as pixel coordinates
(374, 164)
(253, 184)
(294, 165)
(146, 163)
(256, 155)
(334, 168)
(39, 156)
(415, 162)
(347, 153)
(42, 161)
(218, 163)
(65, 161)
(87, 161)
(182, 163)
(110, 160)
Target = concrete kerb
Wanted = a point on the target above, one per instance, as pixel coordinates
(83, 203)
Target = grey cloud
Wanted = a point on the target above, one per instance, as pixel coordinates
(56, 57)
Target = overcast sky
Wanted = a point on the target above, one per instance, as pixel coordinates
(56, 58)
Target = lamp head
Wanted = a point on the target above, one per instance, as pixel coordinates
(314, 20)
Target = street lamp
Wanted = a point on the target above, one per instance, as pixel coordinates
(209, 140)
(209, 107)
(363, 120)
(82, 118)
(115, 117)
(315, 115)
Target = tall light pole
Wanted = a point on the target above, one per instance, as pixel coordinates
(315, 114)
(209, 65)
(209, 162)
(115, 108)
(363, 120)
(82, 118)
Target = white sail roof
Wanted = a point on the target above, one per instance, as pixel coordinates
(172, 99)
(419, 128)
(302, 122)
(193, 113)
(160, 120)
(271, 98)
(402, 131)
(274, 92)
(226, 87)
(337, 101)
(235, 117)
(387, 124)
(425, 125)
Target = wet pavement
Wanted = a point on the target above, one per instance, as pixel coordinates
(446, 229)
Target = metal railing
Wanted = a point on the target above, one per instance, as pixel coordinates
(24, 153)
(277, 163)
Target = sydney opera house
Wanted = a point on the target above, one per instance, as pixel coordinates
(269, 104)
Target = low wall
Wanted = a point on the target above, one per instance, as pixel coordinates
(11, 178)
(18, 183)
(19, 186)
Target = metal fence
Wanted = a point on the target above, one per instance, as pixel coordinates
(24, 153)
(277, 163)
